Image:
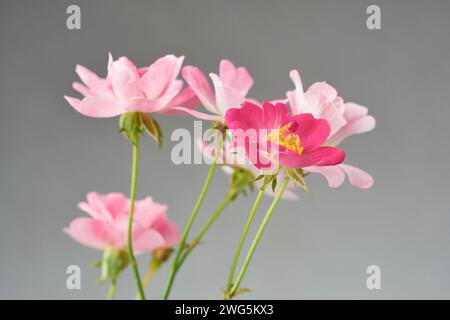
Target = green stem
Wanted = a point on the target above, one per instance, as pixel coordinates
(258, 236)
(152, 268)
(134, 173)
(205, 228)
(242, 240)
(112, 289)
(181, 246)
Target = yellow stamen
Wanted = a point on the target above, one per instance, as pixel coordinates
(286, 139)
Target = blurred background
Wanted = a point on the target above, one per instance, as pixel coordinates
(317, 247)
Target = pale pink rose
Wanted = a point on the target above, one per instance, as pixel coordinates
(129, 89)
(108, 222)
(345, 119)
(230, 89)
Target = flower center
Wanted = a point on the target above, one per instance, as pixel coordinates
(286, 139)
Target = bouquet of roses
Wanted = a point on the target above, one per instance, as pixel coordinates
(271, 146)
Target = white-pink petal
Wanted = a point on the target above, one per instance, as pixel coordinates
(358, 177)
(237, 78)
(226, 96)
(334, 175)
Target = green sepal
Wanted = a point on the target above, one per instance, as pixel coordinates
(113, 262)
(152, 127)
(130, 126)
(269, 178)
(297, 176)
(241, 181)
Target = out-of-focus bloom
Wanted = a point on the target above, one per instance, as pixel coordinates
(230, 89)
(127, 88)
(106, 227)
(271, 135)
(345, 119)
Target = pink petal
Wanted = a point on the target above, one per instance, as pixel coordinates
(147, 241)
(148, 211)
(249, 116)
(171, 92)
(168, 230)
(226, 96)
(360, 125)
(95, 106)
(195, 78)
(322, 156)
(95, 84)
(96, 207)
(196, 114)
(334, 174)
(236, 78)
(353, 111)
(312, 132)
(81, 88)
(116, 204)
(159, 76)
(296, 96)
(324, 89)
(92, 233)
(358, 177)
(334, 116)
(124, 79)
(275, 116)
(137, 104)
(186, 99)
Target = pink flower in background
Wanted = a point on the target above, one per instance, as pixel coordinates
(107, 225)
(129, 89)
(230, 89)
(293, 141)
(345, 119)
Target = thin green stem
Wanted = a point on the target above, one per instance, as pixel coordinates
(134, 173)
(251, 216)
(112, 289)
(205, 228)
(184, 235)
(258, 237)
(152, 268)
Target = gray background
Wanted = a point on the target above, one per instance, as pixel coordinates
(318, 247)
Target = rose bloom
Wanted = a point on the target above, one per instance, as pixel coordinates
(271, 136)
(231, 86)
(107, 225)
(345, 119)
(127, 88)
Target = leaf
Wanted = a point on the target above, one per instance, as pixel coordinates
(259, 177)
(274, 184)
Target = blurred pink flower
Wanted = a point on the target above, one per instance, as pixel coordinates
(129, 89)
(345, 119)
(107, 225)
(230, 89)
(293, 141)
